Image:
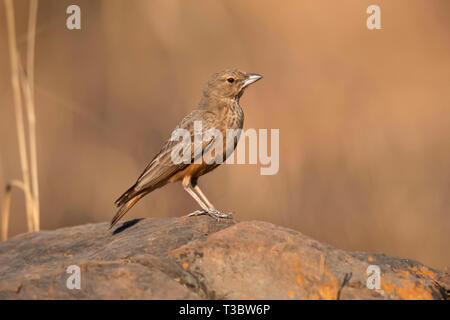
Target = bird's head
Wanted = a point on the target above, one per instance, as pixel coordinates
(229, 84)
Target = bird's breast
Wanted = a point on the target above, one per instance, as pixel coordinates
(233, 116)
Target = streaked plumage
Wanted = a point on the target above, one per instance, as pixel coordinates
(218, 109)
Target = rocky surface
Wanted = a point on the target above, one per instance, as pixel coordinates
(201, 258)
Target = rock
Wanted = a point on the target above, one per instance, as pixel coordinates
(201, 258)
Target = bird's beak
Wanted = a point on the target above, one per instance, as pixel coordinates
(251, 78)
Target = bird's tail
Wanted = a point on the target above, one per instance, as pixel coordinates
(127, 196)
(125, 206)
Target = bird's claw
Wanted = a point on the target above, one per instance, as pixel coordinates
(213, 213)
(196, 213)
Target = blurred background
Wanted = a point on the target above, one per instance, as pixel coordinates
(364, 116)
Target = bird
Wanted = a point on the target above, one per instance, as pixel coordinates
(218, 109)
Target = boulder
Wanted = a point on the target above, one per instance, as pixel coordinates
(201, 258)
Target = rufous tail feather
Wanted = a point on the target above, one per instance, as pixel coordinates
(124, 209)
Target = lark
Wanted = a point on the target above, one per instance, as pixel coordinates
(218, 109)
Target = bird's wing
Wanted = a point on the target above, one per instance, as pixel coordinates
(162, 167)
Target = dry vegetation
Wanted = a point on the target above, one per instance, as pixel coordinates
(22, 84)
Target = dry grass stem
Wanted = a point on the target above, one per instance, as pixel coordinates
(28, 86)
(7, 206)
(18, 80)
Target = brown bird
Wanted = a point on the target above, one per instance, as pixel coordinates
(218, 109)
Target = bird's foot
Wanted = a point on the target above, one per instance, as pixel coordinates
(197, 213)
(220, 215)
(213, 213)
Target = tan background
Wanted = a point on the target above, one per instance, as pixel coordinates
(364, 116)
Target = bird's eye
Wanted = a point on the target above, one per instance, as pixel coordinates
(230, 80)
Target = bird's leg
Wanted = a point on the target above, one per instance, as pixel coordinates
(210, 205)
(203, 197)
(187, 184)
(213, 211)
(208, 208)
(199, 201)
